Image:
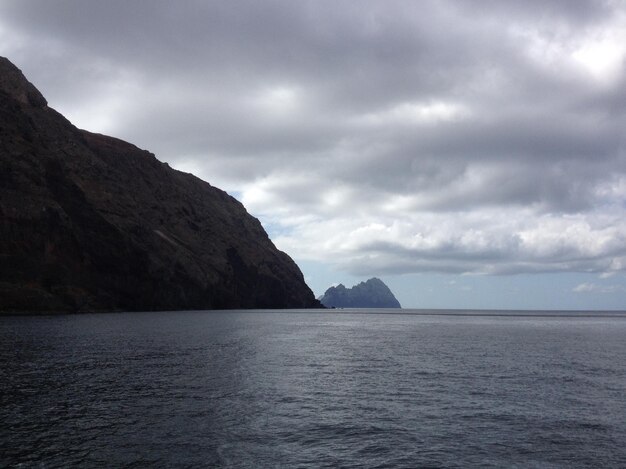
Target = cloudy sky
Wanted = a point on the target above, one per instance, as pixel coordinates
(472, 154)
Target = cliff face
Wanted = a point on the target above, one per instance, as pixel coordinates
(89, 222)
(371, 294)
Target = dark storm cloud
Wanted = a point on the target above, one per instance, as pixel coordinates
(392, 136)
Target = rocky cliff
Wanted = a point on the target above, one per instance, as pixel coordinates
(89, 222)
(371, 294)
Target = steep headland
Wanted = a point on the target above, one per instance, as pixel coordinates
(90, 222)
(370, 294)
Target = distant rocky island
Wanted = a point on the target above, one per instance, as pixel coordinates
(370, 294)
(93, 223)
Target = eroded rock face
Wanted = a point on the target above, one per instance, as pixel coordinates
(371, 294)
(89, 222)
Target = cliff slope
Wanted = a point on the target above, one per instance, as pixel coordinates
(89, 222)
(371, 294)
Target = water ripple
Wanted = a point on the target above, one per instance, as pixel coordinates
(322, 390)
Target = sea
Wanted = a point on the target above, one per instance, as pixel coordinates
(314, 389)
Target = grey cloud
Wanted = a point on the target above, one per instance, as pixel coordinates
(576, 13)
(527, 132)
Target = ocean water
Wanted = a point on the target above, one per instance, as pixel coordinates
(314, 389)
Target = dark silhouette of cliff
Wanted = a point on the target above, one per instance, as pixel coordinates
(89, 222)
(371, 294)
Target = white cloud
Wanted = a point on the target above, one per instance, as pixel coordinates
(489, 242)
(595, 288)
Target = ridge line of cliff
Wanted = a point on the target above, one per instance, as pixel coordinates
(88, 220)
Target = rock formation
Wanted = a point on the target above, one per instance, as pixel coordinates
(89, 222)
(371, 294)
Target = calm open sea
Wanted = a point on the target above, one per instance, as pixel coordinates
(314, 389)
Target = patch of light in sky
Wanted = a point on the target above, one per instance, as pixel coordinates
(415, 113)
(277, 101)
(600, 53)
(603, 57)
(603, 52)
